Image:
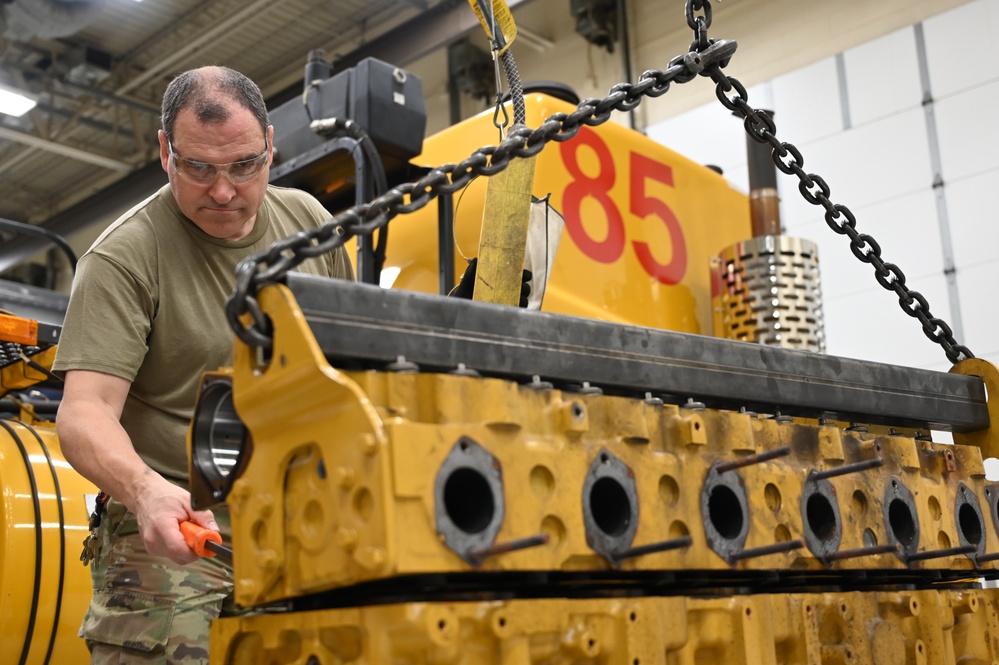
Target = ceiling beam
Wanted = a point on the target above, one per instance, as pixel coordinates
(64, 150)
(431, 30)
(86, 89)
(252, 10)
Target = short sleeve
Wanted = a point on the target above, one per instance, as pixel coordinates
(108, 321)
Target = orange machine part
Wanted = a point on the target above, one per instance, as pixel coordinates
(16, 329)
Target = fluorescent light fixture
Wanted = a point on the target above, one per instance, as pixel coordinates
(13, 102)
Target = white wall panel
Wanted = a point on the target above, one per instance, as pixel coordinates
(708, 135)
(968, 131)
(711, 134)
(883, 77)
(974, 224)
(871, 326)
(963, 47)
(809, 103)
(981, 316)
(876, 162)
(906, 229)
(881, 169)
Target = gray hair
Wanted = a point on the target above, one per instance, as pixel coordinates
(209, 91)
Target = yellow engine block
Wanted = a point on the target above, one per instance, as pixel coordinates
(447, 469)
(874, 628)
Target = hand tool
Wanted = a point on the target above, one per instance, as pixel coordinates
(205, 542)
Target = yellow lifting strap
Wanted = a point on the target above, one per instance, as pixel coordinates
(496, 19)
(503, 238)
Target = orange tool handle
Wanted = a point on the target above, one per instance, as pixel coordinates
(196, 537)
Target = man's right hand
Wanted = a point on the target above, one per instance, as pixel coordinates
(94, 442)
(159, 510)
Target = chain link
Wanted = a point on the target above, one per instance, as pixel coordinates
(242, 309)
(706, 57)
(839, 218)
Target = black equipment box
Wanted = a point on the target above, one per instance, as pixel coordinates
(385, 101)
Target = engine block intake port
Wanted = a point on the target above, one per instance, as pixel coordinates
(901, 518)
(724, 512)
(970, 521)
(969, 524)
(468, 500)
(902, 522)
(821, 517)
(610, 506)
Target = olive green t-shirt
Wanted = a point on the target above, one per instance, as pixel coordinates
(148, 305)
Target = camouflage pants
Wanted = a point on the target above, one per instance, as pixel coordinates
(147, 609)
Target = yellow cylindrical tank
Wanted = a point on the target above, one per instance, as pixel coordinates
(44, 588)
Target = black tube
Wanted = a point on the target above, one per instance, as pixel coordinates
(39, 232)
(516, 88)
(41, 407)
(62, 543)
(762, 171)
(622, 26)
(29, 633)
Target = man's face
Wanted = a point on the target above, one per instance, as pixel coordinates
(224, 204)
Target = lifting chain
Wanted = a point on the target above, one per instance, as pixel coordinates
(706, 57)
(272, 264)
(788, 159)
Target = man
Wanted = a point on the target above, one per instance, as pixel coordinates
(146, 318)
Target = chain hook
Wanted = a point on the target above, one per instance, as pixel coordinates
(501, 109)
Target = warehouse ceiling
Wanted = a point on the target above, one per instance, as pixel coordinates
(98, 68)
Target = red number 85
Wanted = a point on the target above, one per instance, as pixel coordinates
(641, 205)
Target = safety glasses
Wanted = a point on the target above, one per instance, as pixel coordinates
(206, 172)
